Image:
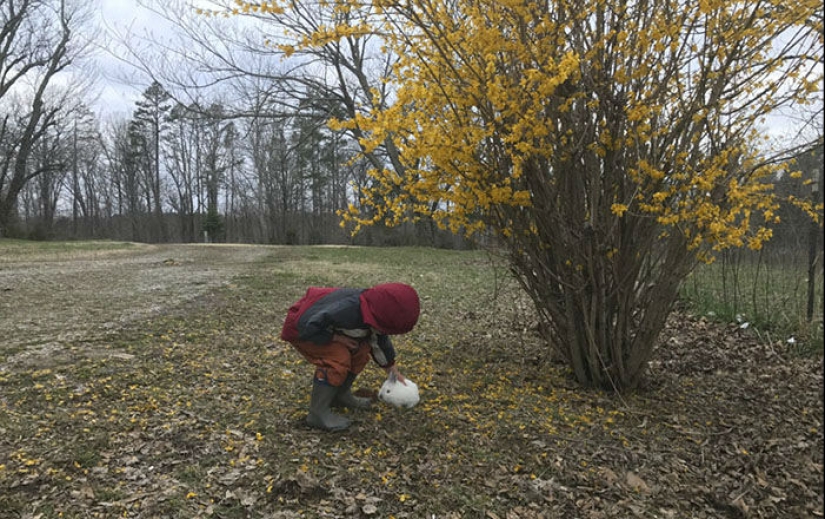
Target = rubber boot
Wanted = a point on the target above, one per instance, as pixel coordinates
(319, 414)
(345, 398)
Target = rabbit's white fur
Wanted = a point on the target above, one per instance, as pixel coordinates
(397, 394)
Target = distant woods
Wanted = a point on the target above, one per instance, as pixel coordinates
(189, 173)
(175, 172)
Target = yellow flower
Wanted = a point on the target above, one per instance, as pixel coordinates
(618, 209)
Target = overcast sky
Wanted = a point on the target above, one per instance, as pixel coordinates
(131, 23)
(125, 22)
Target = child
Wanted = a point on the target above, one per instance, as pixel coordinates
(337, 330)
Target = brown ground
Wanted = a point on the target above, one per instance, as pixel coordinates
(149, 382)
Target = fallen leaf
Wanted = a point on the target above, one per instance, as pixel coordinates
(637, 483)
(608, 475)
(739, 503)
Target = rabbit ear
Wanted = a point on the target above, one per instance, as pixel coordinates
(392, 378)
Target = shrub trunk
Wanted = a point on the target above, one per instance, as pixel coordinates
(603, 287)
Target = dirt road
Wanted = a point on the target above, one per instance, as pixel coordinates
(52, 297)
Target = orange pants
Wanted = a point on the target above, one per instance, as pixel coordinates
(334, 361)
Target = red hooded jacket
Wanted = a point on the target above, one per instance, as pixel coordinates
(390, 309)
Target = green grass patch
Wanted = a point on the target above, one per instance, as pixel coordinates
(22, 247)
(770, 296)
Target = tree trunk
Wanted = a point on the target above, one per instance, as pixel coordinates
(39, 119)
(8, 213)
(601, 313)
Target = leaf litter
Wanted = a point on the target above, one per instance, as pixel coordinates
(180, 401)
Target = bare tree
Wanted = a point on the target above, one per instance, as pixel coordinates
(125, 174)
(218, 141)
(183, 163)
(149, 123)
(87, 188)
(277, 181)
(36, 44)
(262, 57)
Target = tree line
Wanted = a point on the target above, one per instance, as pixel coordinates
(182, 172)
(174, 172)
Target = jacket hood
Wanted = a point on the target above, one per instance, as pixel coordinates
(390, 308)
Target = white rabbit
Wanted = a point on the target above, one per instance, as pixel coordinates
(397, 394)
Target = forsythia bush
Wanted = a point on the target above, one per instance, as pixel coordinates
(610, 144)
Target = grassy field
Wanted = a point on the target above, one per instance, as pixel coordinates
(173, 397)
(18, 249)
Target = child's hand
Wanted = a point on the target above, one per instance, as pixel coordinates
(398, 376)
